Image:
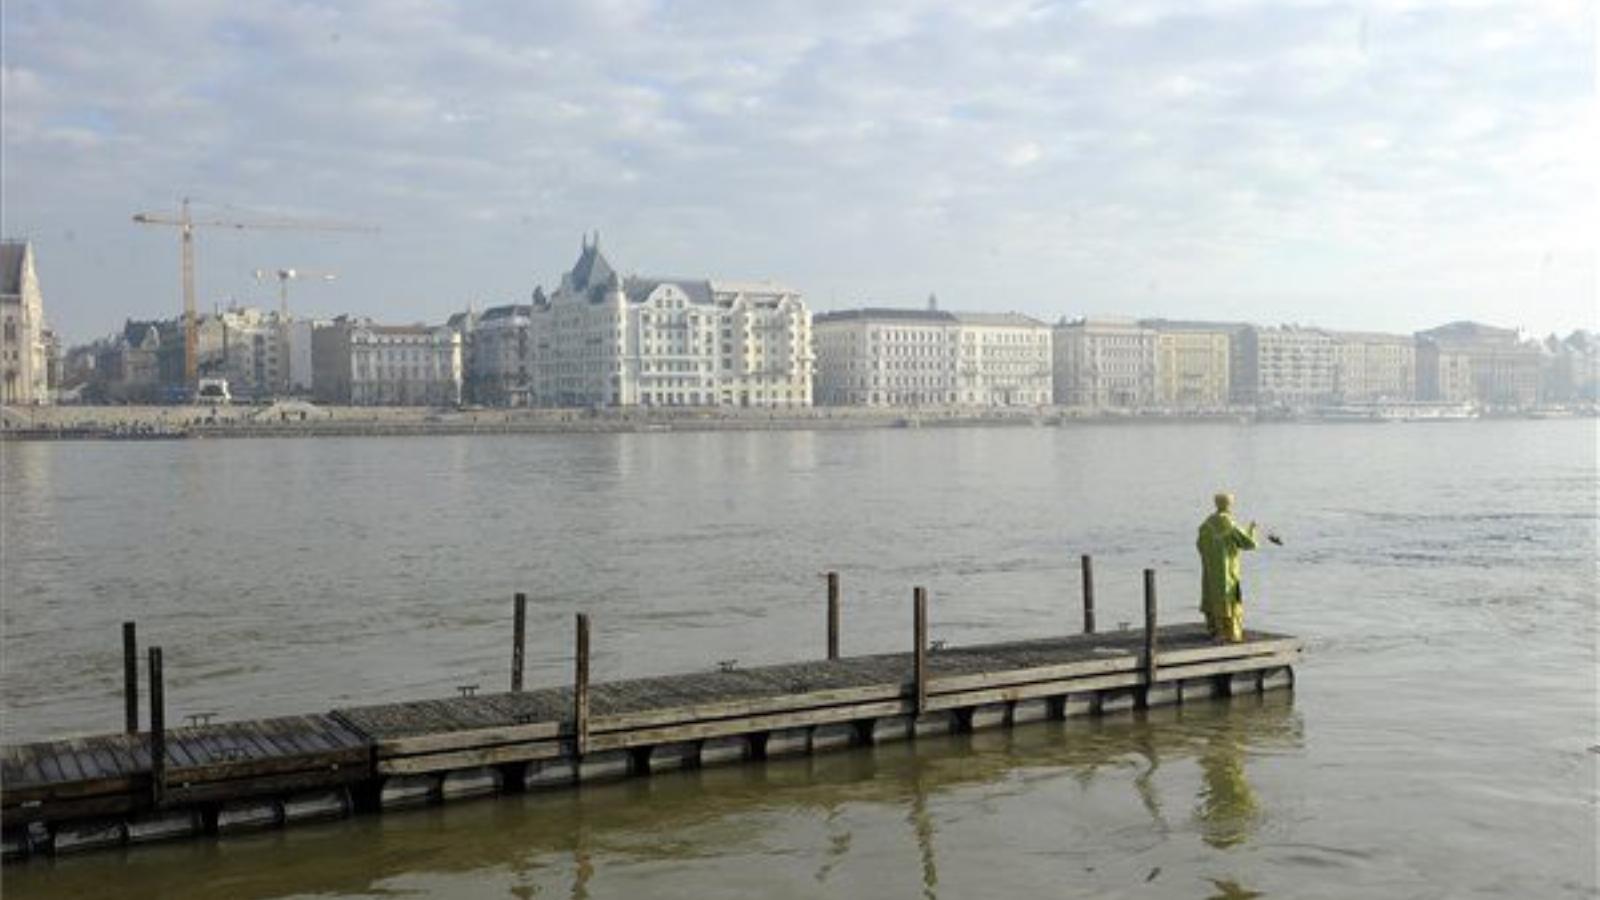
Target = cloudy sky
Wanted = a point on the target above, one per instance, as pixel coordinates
(1385, 164)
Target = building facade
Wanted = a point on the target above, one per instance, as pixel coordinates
(601, 340)
(888, 357)
(360, 363)
(1287, 366)
(1005, 360)
(1571, 371)
(127, 366)
(882, 357)
(298, 343)
(500, 356)
(1444, 374)
(24, 341)
(251, 351)
(1466, 362)
(1104, 363)
(1192, 363)
(1370, 366)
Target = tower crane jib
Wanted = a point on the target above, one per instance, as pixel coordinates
(186, 224)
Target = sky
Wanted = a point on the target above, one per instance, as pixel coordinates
(1387, 165)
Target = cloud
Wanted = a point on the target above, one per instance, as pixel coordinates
(1379, 164)
(1024, 154)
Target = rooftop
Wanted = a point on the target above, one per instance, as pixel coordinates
(1192, 325)
(886, 314)
(1005, 319)
(12, 256)
(1464, 332)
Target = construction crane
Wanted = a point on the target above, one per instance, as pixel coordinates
(285, 276)
(186, 224)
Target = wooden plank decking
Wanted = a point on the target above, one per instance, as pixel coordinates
(110, 775)
(487, 729)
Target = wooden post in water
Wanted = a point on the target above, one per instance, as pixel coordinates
(919, 624)
(833, 615)
(1149, 628)
(130, 677)
(158, 730)
(1088, 594)
(519, 630)
(580, 688)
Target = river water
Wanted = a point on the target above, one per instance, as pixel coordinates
(1440, 742)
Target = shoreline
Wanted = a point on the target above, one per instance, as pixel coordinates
(299, 420)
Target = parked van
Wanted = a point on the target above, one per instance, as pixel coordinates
(213, 392)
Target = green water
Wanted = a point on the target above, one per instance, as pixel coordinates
(1437, 744)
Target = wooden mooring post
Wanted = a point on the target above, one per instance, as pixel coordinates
(919, 625)
(1088, 594)
(519, 633)
(1149, 628)
(158, 730)
(130, 678)
(580, 688)
(833, 615)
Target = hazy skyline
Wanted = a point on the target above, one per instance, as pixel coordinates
(1381, 165)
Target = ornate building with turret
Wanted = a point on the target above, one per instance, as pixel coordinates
(25, 348)
(602, 340)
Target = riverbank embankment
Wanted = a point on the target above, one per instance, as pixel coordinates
(295, 419)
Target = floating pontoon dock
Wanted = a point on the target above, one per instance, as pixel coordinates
(102, 791)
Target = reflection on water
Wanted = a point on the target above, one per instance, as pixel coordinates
(922, 824)
(639, 835)
(1230, 890)
(1228, 808)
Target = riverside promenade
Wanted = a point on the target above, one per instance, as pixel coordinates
(298, 419)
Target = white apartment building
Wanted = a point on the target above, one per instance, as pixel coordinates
(1471, 362)
(910, 357)
(24, 350)
(360, 363)
(1191, 363)
(298, 349)
(500, 364)
(1005, 360)
(1104, 362)
(252, 351)
(602, 340)
(1371, 366)
(1285, 366)
(888, 357)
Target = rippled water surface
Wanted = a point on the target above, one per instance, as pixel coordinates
(1438, 744)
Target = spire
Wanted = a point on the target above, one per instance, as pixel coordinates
(592, 269)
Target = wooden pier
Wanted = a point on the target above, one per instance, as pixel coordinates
(66, 795)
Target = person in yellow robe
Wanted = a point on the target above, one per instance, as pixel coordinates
(1220, 543)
